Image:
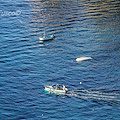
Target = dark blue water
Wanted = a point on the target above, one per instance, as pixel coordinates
(82, 29)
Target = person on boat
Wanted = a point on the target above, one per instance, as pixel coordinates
(57, 87)
(52, 85)
(63, 87)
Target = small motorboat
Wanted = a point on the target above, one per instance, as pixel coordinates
(51, 89)
(46, 38)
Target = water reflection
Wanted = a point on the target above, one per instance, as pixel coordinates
(54, 15)
(103, 12)
(60, 15)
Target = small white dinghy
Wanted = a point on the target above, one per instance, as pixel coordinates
(46, 38)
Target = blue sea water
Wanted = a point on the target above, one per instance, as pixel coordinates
(82, 29)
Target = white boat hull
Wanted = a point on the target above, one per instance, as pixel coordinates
(47, 38)
(83, 58)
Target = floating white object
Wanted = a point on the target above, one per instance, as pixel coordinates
(82, 59)
(80, 83)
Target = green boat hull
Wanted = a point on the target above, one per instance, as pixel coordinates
(50, 89)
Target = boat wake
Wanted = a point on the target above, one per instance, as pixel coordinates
(110, 96)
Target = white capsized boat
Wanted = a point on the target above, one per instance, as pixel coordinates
(46, 38)
(83, 58)
(51, 89)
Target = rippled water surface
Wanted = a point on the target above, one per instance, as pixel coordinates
(82, 29)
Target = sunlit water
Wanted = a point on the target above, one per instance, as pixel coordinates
(82, 29)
